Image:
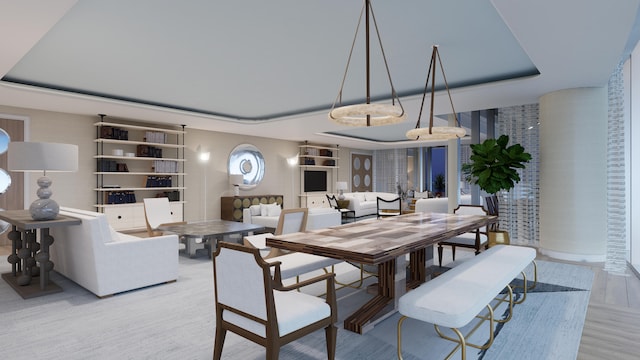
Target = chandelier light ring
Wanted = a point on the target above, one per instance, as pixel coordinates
(437, 133)
(367, 114)
(376, 114)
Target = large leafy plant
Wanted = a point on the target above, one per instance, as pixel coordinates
(494, 166)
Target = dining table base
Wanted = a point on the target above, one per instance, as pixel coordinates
(392, 283)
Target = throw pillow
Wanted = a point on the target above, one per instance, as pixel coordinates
(273, 210)
(263, 209)
(255, 210)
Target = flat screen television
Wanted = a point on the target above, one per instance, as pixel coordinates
(315, 180)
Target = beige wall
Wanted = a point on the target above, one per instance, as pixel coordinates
(76, 189)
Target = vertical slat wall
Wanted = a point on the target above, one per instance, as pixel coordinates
(519, 208)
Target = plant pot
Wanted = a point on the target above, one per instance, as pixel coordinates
(498, 237)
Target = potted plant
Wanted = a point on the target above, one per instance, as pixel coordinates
(439, 185)
(493, 167)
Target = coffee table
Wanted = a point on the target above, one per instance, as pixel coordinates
(210, 231)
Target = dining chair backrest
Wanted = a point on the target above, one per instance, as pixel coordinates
(389, 207)
(492, 205)
(233, 267)
(292, 220)
(333, 202)
(470, 210)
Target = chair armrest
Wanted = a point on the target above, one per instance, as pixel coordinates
(246, 216)
(331, 289)
(306, 282)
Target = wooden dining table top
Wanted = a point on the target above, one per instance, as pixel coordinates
(374, 241)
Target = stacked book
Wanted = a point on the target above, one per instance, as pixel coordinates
(155, 137)
(165, 166)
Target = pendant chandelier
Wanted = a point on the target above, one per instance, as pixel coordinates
(367, 114)
(435, 132)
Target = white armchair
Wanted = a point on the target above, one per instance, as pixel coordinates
(107, 262)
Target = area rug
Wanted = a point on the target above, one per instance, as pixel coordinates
(548, 325)
(176, 321)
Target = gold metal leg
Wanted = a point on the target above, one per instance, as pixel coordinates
(402, 319)
(462, 343)
(352, 285)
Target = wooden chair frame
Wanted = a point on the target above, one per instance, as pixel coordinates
(476, 246)
(386, 205)
(273, 341)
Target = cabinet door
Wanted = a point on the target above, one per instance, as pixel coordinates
(176, 212)
(120, 217)
(317, 201)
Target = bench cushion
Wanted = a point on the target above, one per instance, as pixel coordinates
(454, 298)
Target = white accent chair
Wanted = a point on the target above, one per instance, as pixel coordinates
(107, 262)
(263, 311)
(391, 207)
(473, 240)
(157, 212)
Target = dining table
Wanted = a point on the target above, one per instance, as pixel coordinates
(384, 243)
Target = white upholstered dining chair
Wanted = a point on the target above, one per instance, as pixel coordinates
(473, 240)
(290, 221)
(263, 311)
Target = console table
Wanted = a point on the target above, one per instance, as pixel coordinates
(27, 249)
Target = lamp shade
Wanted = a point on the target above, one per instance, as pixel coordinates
(341, 185)
(38, 156)
(236, 179)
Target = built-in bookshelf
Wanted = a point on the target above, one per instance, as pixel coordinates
(133, 162)
(318, 166)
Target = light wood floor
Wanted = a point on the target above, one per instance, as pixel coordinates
(612, 326)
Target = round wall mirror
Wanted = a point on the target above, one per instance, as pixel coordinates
(247, 160)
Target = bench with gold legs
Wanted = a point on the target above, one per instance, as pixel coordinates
(456, 297)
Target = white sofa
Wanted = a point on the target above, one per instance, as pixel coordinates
(366, 203)
(438, 205)
(107, 262)
(317, 218)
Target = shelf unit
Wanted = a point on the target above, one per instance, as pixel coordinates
(322, 158)
(134, 162)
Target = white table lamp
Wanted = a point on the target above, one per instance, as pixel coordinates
(341, 186)
(36, 157)
(236, 180)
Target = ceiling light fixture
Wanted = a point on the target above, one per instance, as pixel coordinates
(435, 132)
(367, 114)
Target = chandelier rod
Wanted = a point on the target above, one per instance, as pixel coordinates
(431, 74)
(367, 5)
